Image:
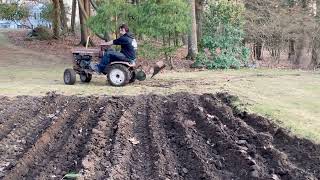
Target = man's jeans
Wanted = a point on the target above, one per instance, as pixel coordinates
(110, 56)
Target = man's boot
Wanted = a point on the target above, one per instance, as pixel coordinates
(94, 67)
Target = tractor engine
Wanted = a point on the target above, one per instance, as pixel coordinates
(83, 60)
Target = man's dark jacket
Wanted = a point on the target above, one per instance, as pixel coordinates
(127, 42)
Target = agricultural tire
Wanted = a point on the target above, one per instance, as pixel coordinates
(85, 77)
(118, 75)
(69, 76)
(133, 77)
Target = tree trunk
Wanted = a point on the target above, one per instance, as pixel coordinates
(135, 1)
(302, 50)
(292, 52)
(199, 13)
(107, 37)
(73, 15)
(184, 39)
(192, 37)
(176, 39)
(87, 7)
(56, 19)
(83, 27)
(63, 16)
(315, 61)
(304, 39)
(258, 51)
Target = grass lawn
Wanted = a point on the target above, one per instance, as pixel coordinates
(290, 97)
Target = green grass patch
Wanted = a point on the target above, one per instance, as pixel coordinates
(290, 97)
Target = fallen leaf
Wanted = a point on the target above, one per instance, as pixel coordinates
(200, 108)
(134, 141)
(210, 116)
(51, 115)
(189, 123)
(71, 176)
(185, 170)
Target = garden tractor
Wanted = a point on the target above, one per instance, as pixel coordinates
(118, 73)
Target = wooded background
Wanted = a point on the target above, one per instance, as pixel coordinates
(218, 33)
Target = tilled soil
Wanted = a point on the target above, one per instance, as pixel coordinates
(180, 136)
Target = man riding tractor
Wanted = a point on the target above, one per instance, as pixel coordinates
(119, 67)
(127, 53)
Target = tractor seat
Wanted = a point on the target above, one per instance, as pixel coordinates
(129, 64)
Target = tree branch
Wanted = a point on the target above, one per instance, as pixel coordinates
(22, 24)
(94, 5)
(87, 17)
(83, 11)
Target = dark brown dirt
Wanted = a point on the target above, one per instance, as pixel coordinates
(181, 136)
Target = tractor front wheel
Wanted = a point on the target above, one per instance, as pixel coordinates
(85, 77)
(69, 76)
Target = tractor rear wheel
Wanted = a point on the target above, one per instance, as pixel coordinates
(118, 75)
(133, 77)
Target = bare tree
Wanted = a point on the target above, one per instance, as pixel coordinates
(192, 37)
(73, 15)
(63, 16)
(199, 5)
(56, 19)
(304, 40)
(315, 58)
(83, 14)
